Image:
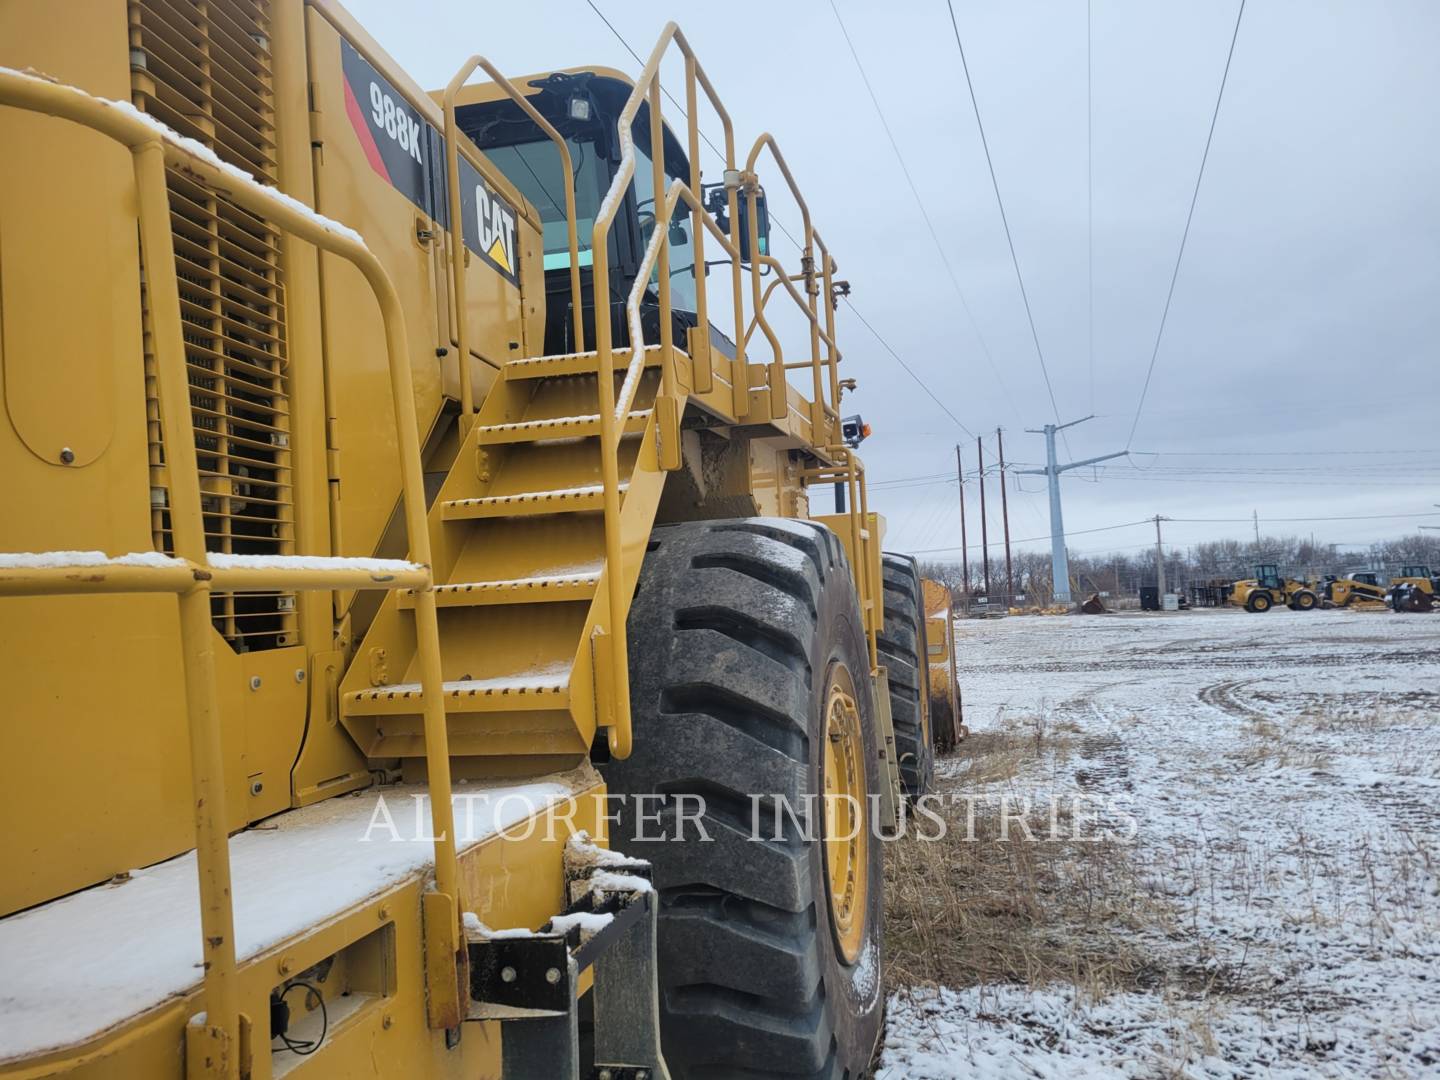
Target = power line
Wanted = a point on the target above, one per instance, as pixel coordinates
(1194, 197)
(639, 60)
(1151, 521)
(924, 213)
(671, 97)
(1248, 483)
(908, 370)
(1036, 539)
(798, 247)
(1015, 261)
(1272, 453)
(1278, 521)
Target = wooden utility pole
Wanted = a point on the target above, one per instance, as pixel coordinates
(964, 542)
(1159, 561)
(984, 526)
(1005, 517)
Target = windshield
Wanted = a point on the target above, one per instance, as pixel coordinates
(535, 169)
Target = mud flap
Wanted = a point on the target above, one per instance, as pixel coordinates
(530, 982)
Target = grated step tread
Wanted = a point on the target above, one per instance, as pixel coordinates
(557, 501)
(583, 363)
(559, 427)
(542, 588)
(544, 688)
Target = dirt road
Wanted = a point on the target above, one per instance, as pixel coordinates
(1274, 913)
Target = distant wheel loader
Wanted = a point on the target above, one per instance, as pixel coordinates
(1267, 589)
(1414, 589)
(409, 587)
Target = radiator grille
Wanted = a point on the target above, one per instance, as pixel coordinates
(203, 68)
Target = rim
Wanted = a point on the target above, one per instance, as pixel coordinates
(845, 817)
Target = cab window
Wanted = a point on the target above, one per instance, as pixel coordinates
(682, 244)
(536, 169)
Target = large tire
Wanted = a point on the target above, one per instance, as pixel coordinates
(902, 652)
(737, 633)
(1257, 602)
(942, 724)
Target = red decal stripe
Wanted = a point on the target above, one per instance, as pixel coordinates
(362, 129)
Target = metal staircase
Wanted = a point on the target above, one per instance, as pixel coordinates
(520, 573)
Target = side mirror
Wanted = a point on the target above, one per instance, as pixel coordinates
(762, 226)
(716, 201)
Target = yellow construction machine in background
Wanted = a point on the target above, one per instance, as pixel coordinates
(947, 717)
(396, 520)
(1413, 589)
(1267, 589)
(1360, 588)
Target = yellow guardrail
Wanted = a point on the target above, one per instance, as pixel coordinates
(808, 305)
(215, 1047)
(850, 471)
(612, 413)
(457, 234)
(824, 416)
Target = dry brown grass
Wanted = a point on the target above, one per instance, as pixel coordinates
(974, 907)
(1264, 742)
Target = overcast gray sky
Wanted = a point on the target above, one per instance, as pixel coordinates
(1305, 318)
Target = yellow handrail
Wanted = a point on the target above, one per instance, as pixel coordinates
(850, 471)
(664, 211)
(457, 225)
(614, 408)
(647, 85)
(155, 148)
(807, 273)
(833, 354)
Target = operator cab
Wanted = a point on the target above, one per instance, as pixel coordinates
(1415, 571)
(1267, 576)
(584, 106)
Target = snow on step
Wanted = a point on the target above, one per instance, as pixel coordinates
(559, 500)
(222, 561)
(76, 967)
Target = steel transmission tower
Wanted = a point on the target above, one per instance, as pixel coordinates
(1059, 562)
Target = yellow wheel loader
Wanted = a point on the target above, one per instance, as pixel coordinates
(418, 647)
(1413, 589)
(1267, 589)
(947, 717)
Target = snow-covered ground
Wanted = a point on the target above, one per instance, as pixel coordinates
(1283, 773)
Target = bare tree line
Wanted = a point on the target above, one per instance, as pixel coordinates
(1122, 574)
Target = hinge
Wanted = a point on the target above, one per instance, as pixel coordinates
(602, 657)
(317, 127)
(332, 448)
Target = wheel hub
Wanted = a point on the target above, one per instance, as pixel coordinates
(845, 815)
